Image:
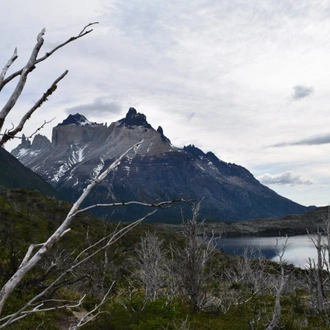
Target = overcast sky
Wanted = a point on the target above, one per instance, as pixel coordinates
(248, 80)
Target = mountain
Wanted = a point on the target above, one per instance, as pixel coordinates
(80, 150)
(14, 174)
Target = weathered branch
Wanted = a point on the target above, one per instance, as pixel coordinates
(90, 315)
(8, 288)
(11, 133)
(7, 66)
(113, 238)
(32, 134)
(23, 77)
(23, 74)
(164, 204)
(83, 31)
(48, 54)
(29, 253)
(23, 313)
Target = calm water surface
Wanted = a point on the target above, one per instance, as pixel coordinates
(298, 250)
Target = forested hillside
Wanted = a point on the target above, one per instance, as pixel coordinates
(14, 175)
(150, 278)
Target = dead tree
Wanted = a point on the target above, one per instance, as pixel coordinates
(319, 270)
(282, 280)
(151, 265)
(22, 75)
(249, 271)
(192, 261)
(32, 258)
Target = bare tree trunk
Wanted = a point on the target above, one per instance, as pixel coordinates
(31, 259)
(318, 269)
(277, 309)
(282, 282)
(29, 262)
(319, 278)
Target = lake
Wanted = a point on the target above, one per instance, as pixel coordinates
(298, 250)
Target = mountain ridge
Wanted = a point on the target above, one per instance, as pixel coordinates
(79, 152)
(14, 175)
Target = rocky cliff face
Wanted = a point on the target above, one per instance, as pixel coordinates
(76, 129)
(80, 150)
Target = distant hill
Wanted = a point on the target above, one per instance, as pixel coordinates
(80, 150)
(317, 218)
(14, 175)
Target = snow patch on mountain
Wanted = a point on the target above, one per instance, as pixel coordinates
(23, 152)
(97, 170)
(28, 152)
(127, 168)
(85, 122)
(78, 155)
(76, 119)
(61, 171)
(202, 168)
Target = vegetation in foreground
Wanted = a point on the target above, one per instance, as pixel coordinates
(150, 278)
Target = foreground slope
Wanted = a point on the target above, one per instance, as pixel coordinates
(80, 150)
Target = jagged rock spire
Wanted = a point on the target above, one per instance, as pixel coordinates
(134, 118)
(161, 132)
(25, 142)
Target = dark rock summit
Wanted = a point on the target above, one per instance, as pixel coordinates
(157, 170)
(76, 119)
(40, 142)
(134, 118)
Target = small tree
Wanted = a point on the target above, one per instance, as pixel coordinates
(151, 265)
(192, 261)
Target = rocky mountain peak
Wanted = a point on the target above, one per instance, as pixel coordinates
(40, 142)
(25, 142)
(191, 149)
(134, 118)
(76, 119)
(161, 132)
(80, 150)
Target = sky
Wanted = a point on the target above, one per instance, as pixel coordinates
(248, 80)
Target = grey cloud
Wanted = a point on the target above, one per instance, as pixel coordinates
(99, 107)
(300, 92)
(286, 178)
(314, 140)
(190, 116)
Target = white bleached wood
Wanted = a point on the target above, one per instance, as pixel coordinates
(12, 283)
